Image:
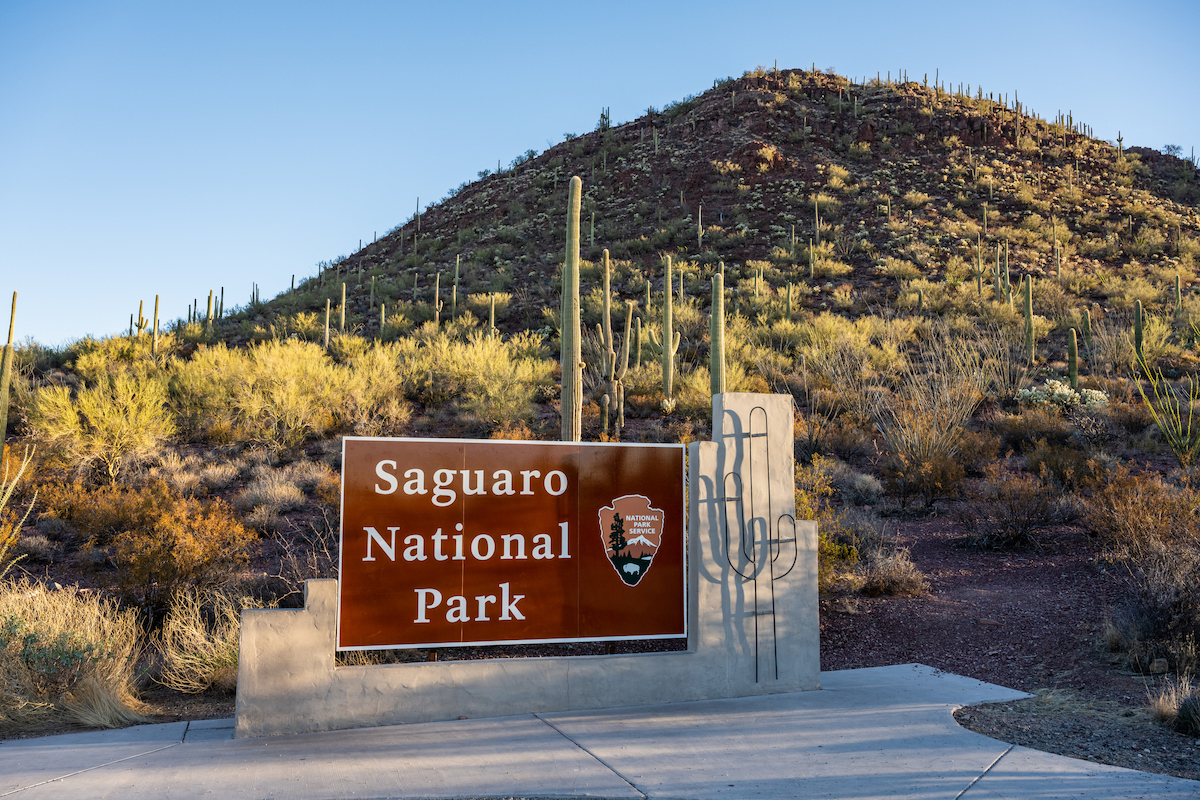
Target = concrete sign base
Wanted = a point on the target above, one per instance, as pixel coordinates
(752, 616)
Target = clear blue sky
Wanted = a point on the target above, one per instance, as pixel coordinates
(174, 147)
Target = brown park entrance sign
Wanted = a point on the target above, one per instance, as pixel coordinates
(448, 542)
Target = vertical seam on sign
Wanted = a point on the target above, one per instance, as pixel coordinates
(979, 777)
(610, 767)
(89, 769)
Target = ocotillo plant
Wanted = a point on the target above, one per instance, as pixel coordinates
(570, 350)
(716, 333)
(6, 363)
(1029, 318)
(1073, 359)
(668, 345)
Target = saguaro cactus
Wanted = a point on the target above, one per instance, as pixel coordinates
(6, 362)
(668, 344)
(1029, 319)
(716, 334)
(570, 351)
(1137, 331)
(1073, 359)
(615, 366)
(154, 342)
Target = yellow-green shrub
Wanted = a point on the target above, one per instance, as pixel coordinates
(114, 424)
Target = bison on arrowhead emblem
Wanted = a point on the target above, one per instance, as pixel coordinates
(631, 531)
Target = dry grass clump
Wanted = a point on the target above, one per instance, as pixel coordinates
(198, 642)
(891, 571)
(65, 656)
(1177, 703)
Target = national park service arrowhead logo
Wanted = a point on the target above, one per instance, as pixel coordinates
(631, 531)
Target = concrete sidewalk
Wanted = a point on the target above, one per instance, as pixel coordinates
(881, 732)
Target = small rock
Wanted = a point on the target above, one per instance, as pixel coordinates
(991, 623)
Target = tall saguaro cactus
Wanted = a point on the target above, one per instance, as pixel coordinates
(6, 362)
(668, 344)
(570, 352)
(1137, 331)
(716, 338)
(1029, 343)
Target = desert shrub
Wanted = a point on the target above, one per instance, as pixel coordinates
(813, 491)
(1131, 511)
(65, 656)
(1019, 432)
(192, 544)
(1008, 510)
(1060, 466)
(198, 641)
(1161, 614)
(275, 394)
(921, 422)
(117, 423)
(854, 487)
(100, 513)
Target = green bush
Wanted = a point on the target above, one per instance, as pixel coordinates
(113, 425)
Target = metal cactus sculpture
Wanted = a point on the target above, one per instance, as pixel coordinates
(570, 352)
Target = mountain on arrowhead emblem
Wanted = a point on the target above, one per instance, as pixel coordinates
(631, 531)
